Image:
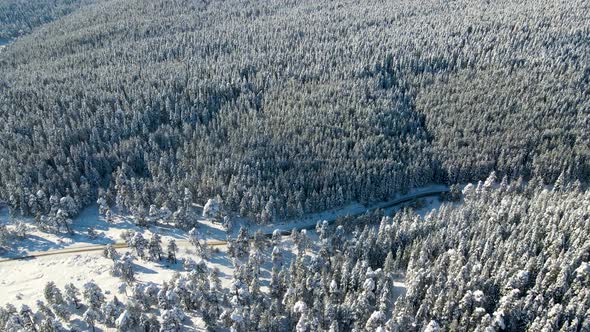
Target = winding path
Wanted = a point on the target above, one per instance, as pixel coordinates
(219, 243)
(311, 221)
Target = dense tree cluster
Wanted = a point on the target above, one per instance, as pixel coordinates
(282, 108)
(530, 272)
(513, 257)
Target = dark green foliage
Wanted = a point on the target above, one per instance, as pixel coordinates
(284, 107)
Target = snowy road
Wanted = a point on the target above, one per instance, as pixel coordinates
(353, 210)
(284, 228)
(85, 249)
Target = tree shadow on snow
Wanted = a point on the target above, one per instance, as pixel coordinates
(211, 233)
(143, 269)
(221, 259)
(19, 247)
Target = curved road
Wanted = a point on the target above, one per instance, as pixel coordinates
(219, 243)
(419, 193)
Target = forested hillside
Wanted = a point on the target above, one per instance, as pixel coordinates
(19, 17)
(288, 107)
(274, 109)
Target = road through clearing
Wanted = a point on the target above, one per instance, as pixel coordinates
(219, 243)
(85, 249)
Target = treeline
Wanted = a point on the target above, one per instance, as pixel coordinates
(283, 108)
(530, 272)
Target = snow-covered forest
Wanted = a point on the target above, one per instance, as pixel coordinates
(510, 257)
(283, 108)
(149, 148)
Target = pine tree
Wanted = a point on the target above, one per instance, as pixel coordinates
(375, 321)
(93, 295)
(110, 252)
(139, 244)
(165, 214)
(242, 244)
(155, 247)
(171, 320)
(125, 268)
(193, 238)
(149, 323)
(277, 258)
(108, 215)
(154, 213)
(90, 317)
(53, 295)
(102, 205)
(110, 312)
(72, 293)
(172, 249)
(276, 238)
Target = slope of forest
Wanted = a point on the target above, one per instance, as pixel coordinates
(276, 109)
(288, 107)
(20, 17)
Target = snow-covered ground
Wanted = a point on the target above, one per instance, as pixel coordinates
(37, 241)
(22, 281)
(106, 233)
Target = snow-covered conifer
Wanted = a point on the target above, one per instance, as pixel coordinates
(171, 251)
(172, 320)
(53, 295)
(90, 317)
(110, 312)
(155, 247)
(139, 244)
(211, 209)
(72, 294)
(93, 295)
